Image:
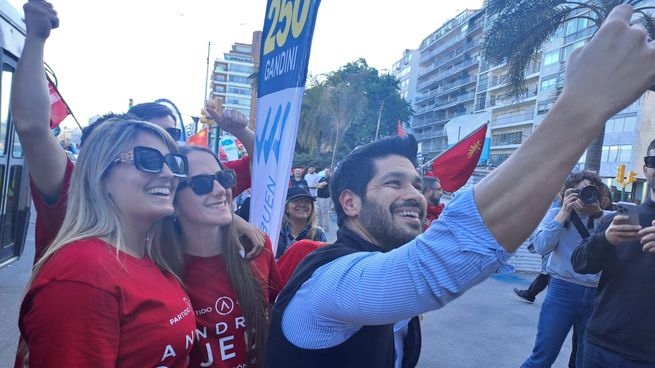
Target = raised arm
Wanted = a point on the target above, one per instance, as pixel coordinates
(235, 123)
(30, 103)
(602, 78)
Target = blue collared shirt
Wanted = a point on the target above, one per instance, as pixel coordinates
(373, 288)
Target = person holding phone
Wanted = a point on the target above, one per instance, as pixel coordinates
(621, 329)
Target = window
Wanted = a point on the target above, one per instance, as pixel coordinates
(237, 79)
(551, 57)
(613, 154)
(544, 107)
(566, 51)
(630, 124)
(625, 151)
(548, 83)
(238, 91)
(503, 139)
(7, 77)
(483, 82)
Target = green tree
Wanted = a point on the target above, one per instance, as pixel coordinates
(519, 29)
(340, 111)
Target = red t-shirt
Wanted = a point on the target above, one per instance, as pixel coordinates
(433, 212)
(288, 262)
(49, 217)
(90, 306)
(220, 340)
(242, 168)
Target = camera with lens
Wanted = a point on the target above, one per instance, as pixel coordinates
(588, 194)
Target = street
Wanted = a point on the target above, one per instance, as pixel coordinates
(487, 327)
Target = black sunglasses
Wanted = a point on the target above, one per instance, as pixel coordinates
(151, 161)
(650, 162)
(175, 133)
(204, 184)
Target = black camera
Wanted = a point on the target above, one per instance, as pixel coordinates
(588, 195)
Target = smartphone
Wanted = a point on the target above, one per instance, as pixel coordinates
(628, 209)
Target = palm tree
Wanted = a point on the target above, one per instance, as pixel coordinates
(519, 29)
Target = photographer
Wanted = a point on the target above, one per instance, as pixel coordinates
(570, 297)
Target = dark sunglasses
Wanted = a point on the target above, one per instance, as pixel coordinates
(650, 161)
(151, 161)
(204, 184)
(175, 133)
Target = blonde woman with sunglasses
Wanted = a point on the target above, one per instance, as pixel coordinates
(231, 295)
(100, 296)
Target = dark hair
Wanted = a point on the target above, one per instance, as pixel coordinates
(87, 130)
(651, 147)
(248, 287)
(358, 168)
(429, 182)
(151, 110)
(576, 177)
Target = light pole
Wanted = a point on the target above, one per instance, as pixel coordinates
(377, 129)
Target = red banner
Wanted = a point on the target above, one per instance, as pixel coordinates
(455, 165)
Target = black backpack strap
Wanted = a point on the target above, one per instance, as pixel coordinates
(575, 219)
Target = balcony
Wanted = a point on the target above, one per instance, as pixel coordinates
(446, 88)
(432, 134)
(450, 57)
(451, 101)
(417, 123)
(447, 73)
(504, 100)
(505, 120)
(459, 98)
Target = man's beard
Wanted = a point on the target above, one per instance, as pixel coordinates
(379, 223)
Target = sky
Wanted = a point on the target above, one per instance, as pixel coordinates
(106, 52)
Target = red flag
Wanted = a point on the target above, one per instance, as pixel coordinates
(58, 109)
(455, 165)
(221, 154)
(199, 139)
(400, 129)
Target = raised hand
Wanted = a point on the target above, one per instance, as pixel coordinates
(231, 121)
(620, 230)
(40, 19)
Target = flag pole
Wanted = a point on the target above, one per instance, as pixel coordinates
(449, 148)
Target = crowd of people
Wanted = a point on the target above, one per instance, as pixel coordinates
(141, 260)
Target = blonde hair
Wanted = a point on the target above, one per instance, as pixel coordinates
(90, 211)
(311, 220)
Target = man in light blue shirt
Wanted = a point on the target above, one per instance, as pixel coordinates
(348, 304)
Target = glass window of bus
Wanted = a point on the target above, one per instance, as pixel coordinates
(17, 150)
(5, 94)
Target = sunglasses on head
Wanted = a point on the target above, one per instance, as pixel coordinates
(204, 184)
(650, 161)
(151, 161)
(175, 133)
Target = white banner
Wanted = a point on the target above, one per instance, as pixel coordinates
(286, 43)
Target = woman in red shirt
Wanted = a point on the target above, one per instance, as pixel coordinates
(231, 295)
(98, 296)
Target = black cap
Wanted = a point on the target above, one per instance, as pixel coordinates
(297, 192)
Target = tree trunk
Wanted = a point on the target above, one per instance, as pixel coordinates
(594, 152)
(334, 148)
